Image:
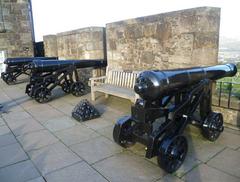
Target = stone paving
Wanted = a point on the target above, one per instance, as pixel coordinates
(41, 142)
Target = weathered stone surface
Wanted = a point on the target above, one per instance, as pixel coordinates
(128, 167)
(76, 134)
(36, 140)
(75, 173)
(96, 149)
(176, 39)
(23, 126)
(59, 123)
(19, 172)
(85, 43)
(16, 29)
(51, 158)
(206, 173)
(11, 154)
(228, 161)
(7, 140)
(229, 116)
(50, 45)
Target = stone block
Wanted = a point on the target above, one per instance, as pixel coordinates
(227, 161)
(180, 38)
(11, 154)
(7, 140)
(16, 116)
(52, 158)
(40, 179)
(37, 139)
(19, 172)
(60, 123)
(206, 173)
(75, 173)
(76, 134)
(128, 167)
(96, 149)
(4, 130)
(23, 126)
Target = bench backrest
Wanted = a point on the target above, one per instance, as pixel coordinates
(121, 78)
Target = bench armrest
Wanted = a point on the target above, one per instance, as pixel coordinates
(97, 78)
(96, 81)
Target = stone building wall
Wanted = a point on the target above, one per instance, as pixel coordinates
(177, 39)
(50, 45)
(85, 43)
(16, 28)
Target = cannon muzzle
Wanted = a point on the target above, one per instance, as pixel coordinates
(24, 60)
(152, 85)
(54, 65)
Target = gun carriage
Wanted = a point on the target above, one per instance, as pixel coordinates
(47, 75)
(19, 66)
(169, 101)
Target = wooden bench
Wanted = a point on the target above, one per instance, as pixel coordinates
(116, 82)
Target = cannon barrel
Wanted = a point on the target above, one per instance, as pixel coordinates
(152, 85)
(54, 65)
(24, 60)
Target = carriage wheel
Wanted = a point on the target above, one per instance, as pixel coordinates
(172, 152)
(8, 78)
(66, 87)
(77, 88)
(213, 126)
(42, 94)
(122, 133)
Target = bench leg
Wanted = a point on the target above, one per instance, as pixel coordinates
(93, 95)
(106, 96)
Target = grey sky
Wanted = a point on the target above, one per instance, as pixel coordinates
(53, 16)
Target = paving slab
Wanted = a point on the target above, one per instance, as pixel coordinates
(206, 173)
(189, 162)
(4, 130)
(39, 179)
(229, 139)
(227, 161)
(16, 116)
(36, 140)
(11, 154)
(53, 157)
(170, 178)
(44, 112)
(64, 108)
(128, 167)
(107, 132)
(59, 123)
(75, 173)
(29, 104)
(96, 149)
(7, 140)
(2, 123)
(203, 150)
(98, 123)
(23, 126)
(76, 134)
(19, 172)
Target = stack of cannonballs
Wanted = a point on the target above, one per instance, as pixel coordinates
(84, 111)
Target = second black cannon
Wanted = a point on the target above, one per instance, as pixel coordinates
(64, 73)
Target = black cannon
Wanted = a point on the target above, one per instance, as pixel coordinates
(169, 101)
(18, 66)
(47, 75)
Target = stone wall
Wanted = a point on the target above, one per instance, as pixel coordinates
(177, 39)
(85, 43)
(16, 29)
(50, 46)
